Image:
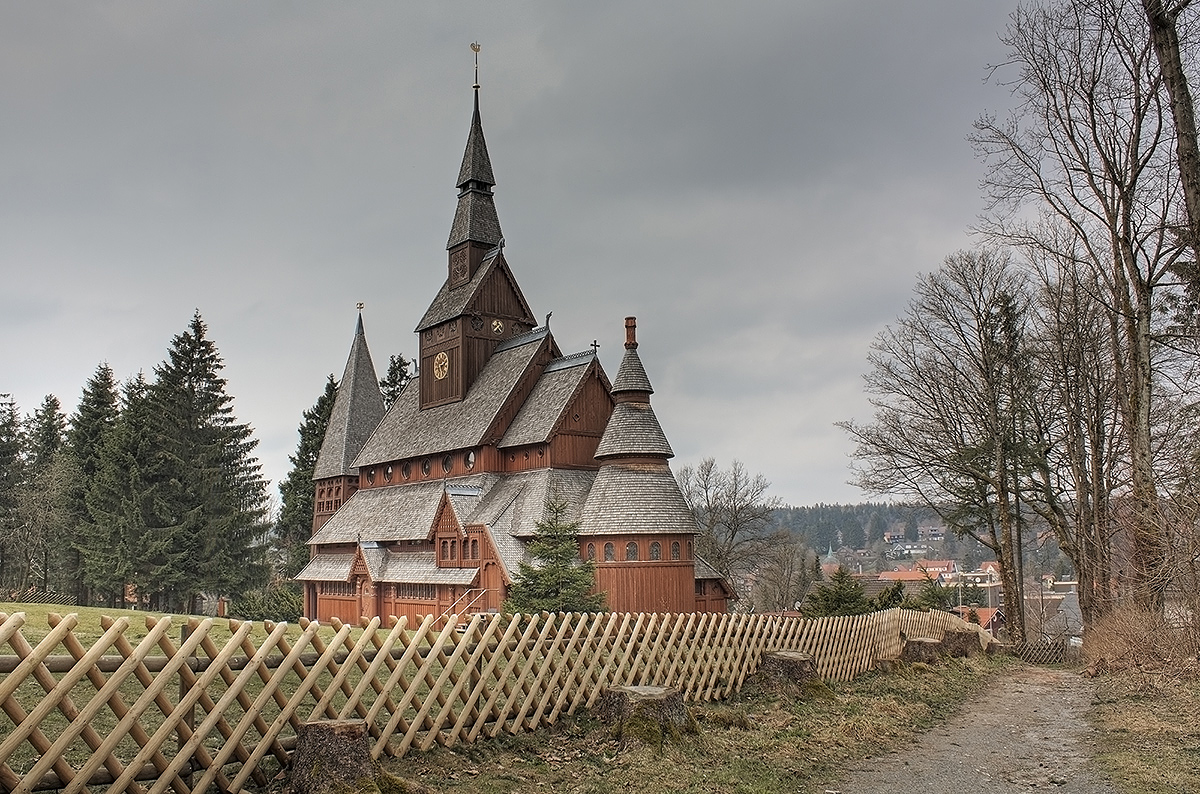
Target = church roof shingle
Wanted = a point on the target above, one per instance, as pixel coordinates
(636, 499)
(357, 410)
(544, 407)
(407, 431)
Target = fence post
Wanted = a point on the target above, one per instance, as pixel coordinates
(187, 719)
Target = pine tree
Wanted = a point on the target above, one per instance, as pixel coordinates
(214, 496)
(841, 595)
(557, 580)
(393, 382)
(295, 523)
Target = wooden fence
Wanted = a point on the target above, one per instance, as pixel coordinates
(197, 715)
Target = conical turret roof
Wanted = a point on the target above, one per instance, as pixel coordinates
(633, 430)
(357, 411)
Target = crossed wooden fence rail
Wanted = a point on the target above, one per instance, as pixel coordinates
(156, 716)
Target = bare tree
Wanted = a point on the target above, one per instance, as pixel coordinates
(787, 568)
(1088, 149)
(733, 511)
(952, 391)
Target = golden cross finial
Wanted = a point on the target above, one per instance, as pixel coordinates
(475, 49)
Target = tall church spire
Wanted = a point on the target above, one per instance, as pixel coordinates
(476, 229)
(357, 410)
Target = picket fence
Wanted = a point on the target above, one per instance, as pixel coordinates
(121, 717)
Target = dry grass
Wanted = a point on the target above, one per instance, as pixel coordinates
(1148, 696)
(750, 744)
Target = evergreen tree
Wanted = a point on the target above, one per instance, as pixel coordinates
(11, 477)
(118, 542)
(295, 523)
(842, 595)
(393, 382)
(214, 495)
(93, 419)
(557, 580)
(43, 501)
(891, 596)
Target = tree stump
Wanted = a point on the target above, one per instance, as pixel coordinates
(962, 644)
(788, 673)
(921, 650)
(332, 756)
(649, 714)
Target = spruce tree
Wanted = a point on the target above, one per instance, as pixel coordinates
(841, 595)
(119, 543)
(43, 498)
(294, 527)
(11, 477)
(93, 419)
(214, 496)
(557, 580)
(393, 382)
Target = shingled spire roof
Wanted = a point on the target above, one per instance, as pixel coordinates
(633, 430)
(357, 410)
(475, 217)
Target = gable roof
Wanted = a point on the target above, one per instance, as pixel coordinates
(357, 410)
(398, 512)
(407, 431)
(451, 302)
(560, 381)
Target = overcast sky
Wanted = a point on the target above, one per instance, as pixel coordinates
(758, 182)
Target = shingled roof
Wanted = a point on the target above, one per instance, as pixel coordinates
(636, 499)
(452, 302)
(475, 216)
(407, 431)
(633, 429)
(542, 410)
(399, 512)
(357, 410)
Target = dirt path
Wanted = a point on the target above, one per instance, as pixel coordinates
(1025, 734)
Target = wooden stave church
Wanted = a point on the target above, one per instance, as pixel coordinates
(427, 508)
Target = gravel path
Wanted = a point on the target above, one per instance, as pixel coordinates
(1027, 733)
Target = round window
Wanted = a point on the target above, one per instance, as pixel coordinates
(447, 464)
(387, 474)
(469, 460)
(370, 476)
(406, 470)
(425, 467)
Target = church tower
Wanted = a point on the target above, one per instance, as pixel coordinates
(480, 304)
(357, 410)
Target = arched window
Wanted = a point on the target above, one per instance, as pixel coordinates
(631, 550)
(656, 550)
(445, 549)
(591, 551)
(474, 549)
(674, 550)
(689, 550)
(610, 553)
(454, 549)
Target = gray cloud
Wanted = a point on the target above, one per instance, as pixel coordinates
(758, 182)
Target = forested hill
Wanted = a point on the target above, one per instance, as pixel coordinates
(856, 526)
